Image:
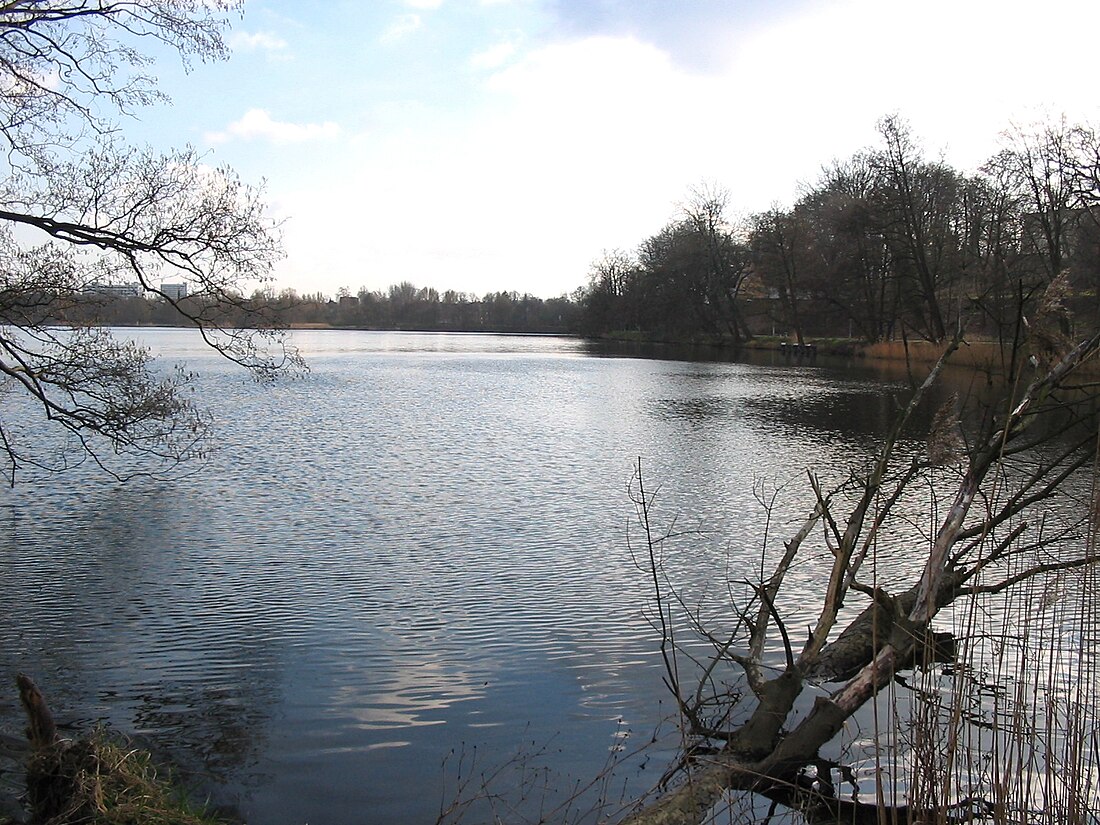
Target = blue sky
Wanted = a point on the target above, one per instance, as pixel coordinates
(504, 144)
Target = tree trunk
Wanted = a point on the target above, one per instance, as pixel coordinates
(41, 730)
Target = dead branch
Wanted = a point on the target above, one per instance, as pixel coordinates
(41, 730)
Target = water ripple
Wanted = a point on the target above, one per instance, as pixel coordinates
(422, 543)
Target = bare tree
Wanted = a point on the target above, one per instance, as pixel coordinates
(747, 725)
(1085, 151)
(722, 263)
(778, 251)
(1038, 166)
(849, 265)
(80, 210)
(915, 201)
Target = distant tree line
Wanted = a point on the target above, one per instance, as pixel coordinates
(403, 306)
(406, 306)
(886, 243)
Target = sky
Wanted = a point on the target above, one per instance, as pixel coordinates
(487, 145)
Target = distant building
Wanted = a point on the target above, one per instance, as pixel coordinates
(349, 300)
(129, 290)
(174, 292)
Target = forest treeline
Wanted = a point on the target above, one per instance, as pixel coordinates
(403, 306)
(406, 306)
(886, 243)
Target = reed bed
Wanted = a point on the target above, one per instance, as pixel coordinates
(1010, 732)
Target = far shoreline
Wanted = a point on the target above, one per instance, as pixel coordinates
(983, 355)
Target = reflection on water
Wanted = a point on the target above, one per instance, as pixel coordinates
(420, 544)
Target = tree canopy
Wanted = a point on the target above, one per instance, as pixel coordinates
(885, 244)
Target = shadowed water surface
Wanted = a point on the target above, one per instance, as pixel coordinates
(419, 547)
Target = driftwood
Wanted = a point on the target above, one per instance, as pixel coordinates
(41, 730)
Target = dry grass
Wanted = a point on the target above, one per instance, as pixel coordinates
(102, 780)
(989, 357)
(1011, 734)
(982, 355)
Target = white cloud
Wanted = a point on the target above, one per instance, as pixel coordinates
(578, 148)
(825, 76)
(494, 57)
(424, 4)
(585, 145)
(266, 41)
(257, 124)
(612, 116)
(401, 27)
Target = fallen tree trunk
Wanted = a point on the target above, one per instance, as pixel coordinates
(769, 750)
(866, 635)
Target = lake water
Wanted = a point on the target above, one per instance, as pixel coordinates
(421, 548)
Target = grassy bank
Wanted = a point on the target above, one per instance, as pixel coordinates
(102, 779)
